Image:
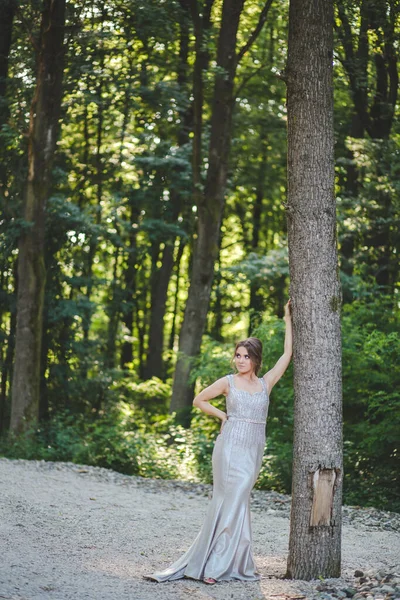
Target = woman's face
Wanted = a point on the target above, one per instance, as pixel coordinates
(243, 361)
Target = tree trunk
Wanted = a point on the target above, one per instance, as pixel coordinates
(43, 133)
(176, 296)
(6, 375)
(7, 12)
(210, 207)
(113, 310)
(256, 303)
(154, 364)
(315, 529)
(129, 291)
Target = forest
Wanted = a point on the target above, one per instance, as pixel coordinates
(143, 230)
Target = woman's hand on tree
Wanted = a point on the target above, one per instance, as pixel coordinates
(288, 310)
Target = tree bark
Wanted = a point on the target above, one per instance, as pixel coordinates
(129, 278)
(6, 375)
(154, 364)
(43, 133)
(256, 303)
(176, 296)
(315, 531)
(210, 207)
(7, 12)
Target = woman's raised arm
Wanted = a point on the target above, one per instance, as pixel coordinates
(274, 374)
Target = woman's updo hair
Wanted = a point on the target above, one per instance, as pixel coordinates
(254, 349)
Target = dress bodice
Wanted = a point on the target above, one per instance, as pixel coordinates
(246, 406)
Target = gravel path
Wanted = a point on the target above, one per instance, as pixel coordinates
(78, 532)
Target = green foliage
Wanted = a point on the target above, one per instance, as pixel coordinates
(276, 470)
(106, 441)
(133, 434)
(371, 383)
(122, 192)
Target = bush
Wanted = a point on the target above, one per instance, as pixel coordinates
(132, 433)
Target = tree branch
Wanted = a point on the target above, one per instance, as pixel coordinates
(246, 80)
(28, 29)
(254, 35)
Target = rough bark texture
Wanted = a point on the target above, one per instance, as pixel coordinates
(43, 132)
(315, 533)
(210, 207)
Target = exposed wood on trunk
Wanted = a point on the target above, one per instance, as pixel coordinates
(323, 482)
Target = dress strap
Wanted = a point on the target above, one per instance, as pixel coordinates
(264, 385)
(230, 379)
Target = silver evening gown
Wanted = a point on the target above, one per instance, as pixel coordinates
(223, 547)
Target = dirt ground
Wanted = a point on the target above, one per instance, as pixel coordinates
(66, 534)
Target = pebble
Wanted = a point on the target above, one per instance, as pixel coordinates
(387, 589)
(375, 589)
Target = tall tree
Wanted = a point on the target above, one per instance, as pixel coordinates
(209, 205)
(210, 201)
(7, 12)
(43, 134)
(315, 531)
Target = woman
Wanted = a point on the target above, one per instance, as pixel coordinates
(222, 549)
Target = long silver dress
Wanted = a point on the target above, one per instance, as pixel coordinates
(223, 546)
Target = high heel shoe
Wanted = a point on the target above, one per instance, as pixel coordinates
(210, 580)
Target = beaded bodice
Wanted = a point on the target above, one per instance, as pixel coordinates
(246, 406)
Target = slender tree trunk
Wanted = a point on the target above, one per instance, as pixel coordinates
(45, 345)
(7, 12)
(217, 307)
(43, 133)
(176, 295)
(101, 84)
(315, 529)
(154, 363)
(210, 207)
(255, 304)
(114, 309)
(6, 375)
(375, 118)
(129, 292)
